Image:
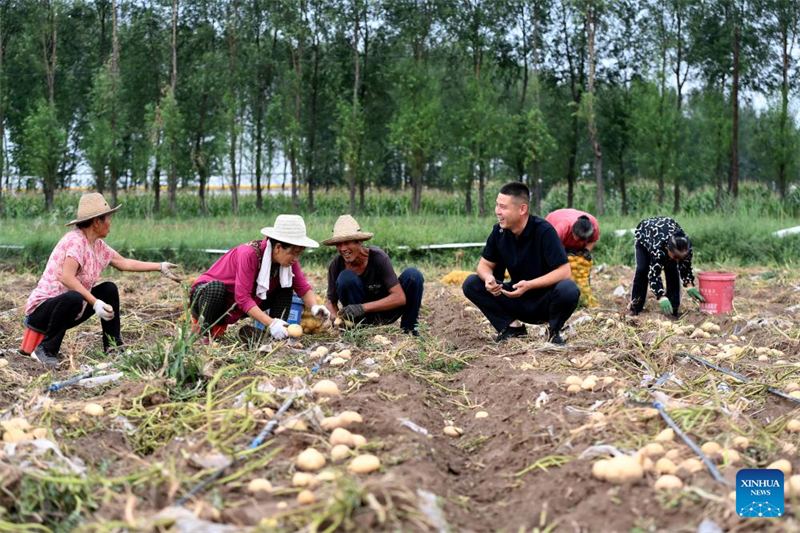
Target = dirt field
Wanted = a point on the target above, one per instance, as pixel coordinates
(177, 413)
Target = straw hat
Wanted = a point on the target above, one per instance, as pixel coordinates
(346, 229)
(90, 206)
(290, 229)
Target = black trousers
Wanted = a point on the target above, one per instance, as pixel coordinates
(210, 301)
(642, 277)
(552, 306)
(351, 290)
(56, 315)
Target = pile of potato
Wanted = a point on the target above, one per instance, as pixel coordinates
(310, 323)
(581, 274)
(455, 277)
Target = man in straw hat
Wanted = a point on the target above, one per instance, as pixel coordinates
(68, 284)
(540, 290)
(363, 280)
(258, 279)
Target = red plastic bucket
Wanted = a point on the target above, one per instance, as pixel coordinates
(717, 288)
(217, 332)
(30, 340)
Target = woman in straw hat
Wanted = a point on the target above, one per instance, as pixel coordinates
(363, 280)
(257, 277)
(59, 301)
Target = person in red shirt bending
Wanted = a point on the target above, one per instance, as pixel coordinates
(576, 229)
(578, 232)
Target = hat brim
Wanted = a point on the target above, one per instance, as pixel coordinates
(345, 238)
(84, 219)
(305, 242)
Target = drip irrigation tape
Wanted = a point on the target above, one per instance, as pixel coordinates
(733, 374)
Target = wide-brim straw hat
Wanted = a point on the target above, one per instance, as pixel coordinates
(290, 229)
(90, 206)
(347, 229)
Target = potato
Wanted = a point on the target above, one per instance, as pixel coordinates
(623, 469)
(692, 465)
(359, 441)
(763, 358)
(341, 436)
(668, 435)
(795, 394)
(793, 486)
(783, 465)
(600, 468)
(259, 484)
(322, 351)
(364, 464)
(15, 423)
(40, 433)
(325, 387)
(741, 442)
(305, 497)
(93, 409)
(572, 389)
(327, 475)
(296, 424)
(793, 425)
(673, 455)
(347, 354)
(337, 322)
(654, 449)
(310, 460)
(329, 423)
(589, 384)
(791, 387)
(338, 361)
(710, 448)
(350, 417)
(668, 482)
(729, 456)
(339, 452)
(3, 363)
(665, 466)
(481, 414)
(295, 331)
(304, 479)
(452, 431)
(573, 380)
(14, 436)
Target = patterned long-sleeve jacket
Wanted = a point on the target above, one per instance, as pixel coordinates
(653, 234)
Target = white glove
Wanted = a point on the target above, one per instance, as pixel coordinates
(103, 310)
(278, 329)
(167, 273)
(320, 311)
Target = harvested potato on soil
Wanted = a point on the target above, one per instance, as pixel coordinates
(364, 464)
(325, 387)
(310, 460)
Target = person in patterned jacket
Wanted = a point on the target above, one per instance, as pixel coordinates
(661, 244)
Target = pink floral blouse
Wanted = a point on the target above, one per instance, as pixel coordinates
(91, 262)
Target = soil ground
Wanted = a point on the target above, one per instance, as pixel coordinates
(522, 468)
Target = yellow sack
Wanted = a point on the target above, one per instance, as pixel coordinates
(581, 275)
(455, 277)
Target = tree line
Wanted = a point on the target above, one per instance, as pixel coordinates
(450, 94)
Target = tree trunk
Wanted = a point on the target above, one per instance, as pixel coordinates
(536, 172)
(198, 161)
(573, 162)
(312, 134)
(733, 170)
(114, 162)
(785, 58)
(468, 188)
(417, 173)
(719, 166)
(623, 189)
(352, 164)
(172, 178)
(157, 185)
(481, 187)
(2, 117)
(591, 30)
(230, 23)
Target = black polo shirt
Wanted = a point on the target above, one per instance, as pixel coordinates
(536, 252)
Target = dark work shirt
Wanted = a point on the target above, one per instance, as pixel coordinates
(378, 277)
(536, 252)
(653, 234)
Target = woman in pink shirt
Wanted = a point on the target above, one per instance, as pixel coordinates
(257, 279)
(59, 301)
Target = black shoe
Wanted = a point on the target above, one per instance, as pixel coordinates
(412, 332)
(555, 338)
(511, 332)
(41, 355)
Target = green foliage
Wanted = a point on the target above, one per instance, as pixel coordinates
(44, 142)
